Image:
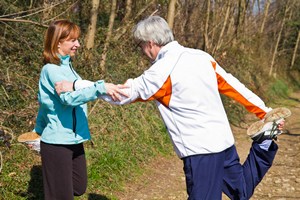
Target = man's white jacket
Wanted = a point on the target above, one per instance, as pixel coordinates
(186, 85)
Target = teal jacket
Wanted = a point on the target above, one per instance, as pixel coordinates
(62, 119)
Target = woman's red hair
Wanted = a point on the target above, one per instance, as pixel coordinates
(58, 31)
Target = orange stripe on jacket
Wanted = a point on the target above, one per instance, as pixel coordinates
(229, 91)
(163, 95)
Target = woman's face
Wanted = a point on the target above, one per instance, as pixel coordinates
(68, 47)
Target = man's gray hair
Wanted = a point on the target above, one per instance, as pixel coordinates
(153, 28)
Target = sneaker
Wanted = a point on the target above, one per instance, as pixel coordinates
(268, 128)
(32, 140)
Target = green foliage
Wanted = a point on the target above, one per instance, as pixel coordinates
(279, 89)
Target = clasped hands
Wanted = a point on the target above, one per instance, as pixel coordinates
(114, 91)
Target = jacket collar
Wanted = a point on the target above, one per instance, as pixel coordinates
(65, 60)
(165, 49)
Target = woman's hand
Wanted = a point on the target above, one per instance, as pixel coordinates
(112, 90)
(115, 91)
(63, 86)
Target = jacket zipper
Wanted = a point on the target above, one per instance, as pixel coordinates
(74, 109)
(74, 120)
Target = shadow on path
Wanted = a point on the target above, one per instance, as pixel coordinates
(93, 196)
(291, 133)
(35, 185)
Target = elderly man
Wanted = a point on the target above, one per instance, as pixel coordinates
(185, 84)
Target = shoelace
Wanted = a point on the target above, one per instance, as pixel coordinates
(274, 130)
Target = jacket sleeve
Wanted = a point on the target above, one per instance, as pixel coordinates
(83, 84)
(51, 74)
(84, 95)
(233, 88)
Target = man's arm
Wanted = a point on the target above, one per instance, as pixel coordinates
(233, 88)
(115, 93)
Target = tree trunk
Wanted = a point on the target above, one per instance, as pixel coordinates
(91, 31)
(266, 11)
(237, 22)
(31, 3)
(219, 42)
(258, 5)
(240, 20)
(205, 32)
(128, 11)
(252, 7)
(184, 18)
(108, 35)
(272, 68)
(213, 22)
(295, 50)
(171, 13)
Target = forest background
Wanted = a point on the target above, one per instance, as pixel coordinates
(255, 40)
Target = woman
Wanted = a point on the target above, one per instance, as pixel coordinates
(62, 119)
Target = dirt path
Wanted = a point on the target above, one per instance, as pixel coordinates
(164, 178)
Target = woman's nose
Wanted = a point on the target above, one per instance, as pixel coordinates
(77, 43)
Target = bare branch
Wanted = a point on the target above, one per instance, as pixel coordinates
(50, 7)
(27, 11)
(18, 19)
(122, 30)
(62, 12)
(18, 13)
(22, 20)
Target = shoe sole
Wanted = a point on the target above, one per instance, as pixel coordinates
(254, 128)
(28, 137)
(277, 113)
(272, 116)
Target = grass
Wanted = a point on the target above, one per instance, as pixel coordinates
(278, 89)
(124, 139)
